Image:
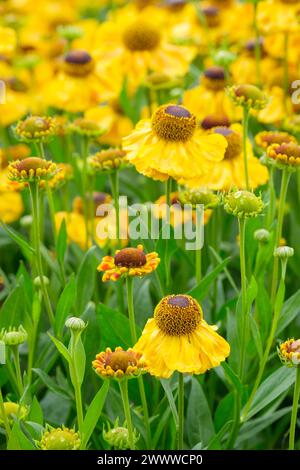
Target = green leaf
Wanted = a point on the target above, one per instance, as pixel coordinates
(11, 313)
(93, 414)
(289, 312)
(51, 384)
(201, 290)
(26, 249)
(231, 376)
(256, 336)
(64, 305)
(61, 244)
(36, 412)
(275, 385)
(18, 440)
(61, 348)
(214, 442)
(85, 280)
(167, 388)
(199, 421)
(114, 328)
(79, 361)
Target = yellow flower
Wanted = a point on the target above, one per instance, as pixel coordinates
(59, 439)
(275, 110)
(285, 154)
(111, 117)
(12, 410)
(11, 206)
(128, 262)
(265, 138)
(289, 352)
(8, 41)
(171, 145)
(179, 339)
(118, 363)
(31, 168)
(229, 172)
(75, 226)
(16, 104)
(278, 16)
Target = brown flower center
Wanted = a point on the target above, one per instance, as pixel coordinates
(174, 123)
(78, 63)
(141, 36)
(120, 360)
(32, 163)
(234, 141)
(212, 16)
(214, 78)
(130, 258)
(294, 346)
(214, 121)
(178, 315)
(271, 137)
(289, 149)
(78, 57)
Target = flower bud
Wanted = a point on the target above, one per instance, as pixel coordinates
(37, 281)
(12, 410)
(75, 324)
(118, 437)
(289, 352)
(199, 196)
(26, 221)
(262, 235)
(13, 337)
(284, 252)
(59, 439)
(243, 204)
(247, 95)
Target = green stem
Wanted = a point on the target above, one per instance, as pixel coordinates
(77, 386)
(15, 352)
(242, 226)
(131, 315)
(180, 411)
(198, 254)
(236, 423)
(124, 394)
(168, 189)
(257, 45)
(294, 410)
(272, 199)
(283, 191)
(84, 156)
(49, 194)
(5, 419)
(34, 194)
(114, 183)
(245, 136)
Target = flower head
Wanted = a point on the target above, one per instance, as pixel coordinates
(35, 128)
(78, 63)
(243, 204)
(199, 196)
(118, 364)
(59, 439)
(285, 154)
(128, 262)
(141, 36)
(12, 410)
(214, 78)
(109, 159)
(86, 127)
(179, 339)
(266, 138)
(118, 436)
(247, 95)
(14, 336)
(289, 352)
(30, 169)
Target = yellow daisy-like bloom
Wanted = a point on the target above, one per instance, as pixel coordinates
(171, 145)
(8, 41)
(98, 198)
(60, 439)
(128, 262)
(285, 154)
(275, 110)
(229, 172)
(278, 17)
(13, 152)
(75, 225)
(35, 128)
(31, 168)
(289, 352)
(11, 206)
(111, 117)
(17, 104)
(118, 364)
(265, 138)
(109, 159)
(179, 339)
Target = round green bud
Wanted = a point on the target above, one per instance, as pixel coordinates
(262, 235)
(284, 252)
(75, 324)
(12, 410)
(37, 281)
(26, 221)
(14, 337)
(118, 437)
(60, 439)
(70, 32)
(198, 196)
(243, 204)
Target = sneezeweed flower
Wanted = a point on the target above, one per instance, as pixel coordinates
(178, 338)
(128, 262)
(110, 159)
(118, 436)
(289, 352)
(87, 128)
(266, 138)
(195, 196)
(118, 364)
(262, 235)
(248, 96)
(171, 145)
(61, 438)
(78, 63)
(13, 152)
(35, 128)
(243, 204)
(31, 169)
(75, 324)
(284, 252)
(8, 41)
(13, 411)
(286, 155)
(63, 174)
